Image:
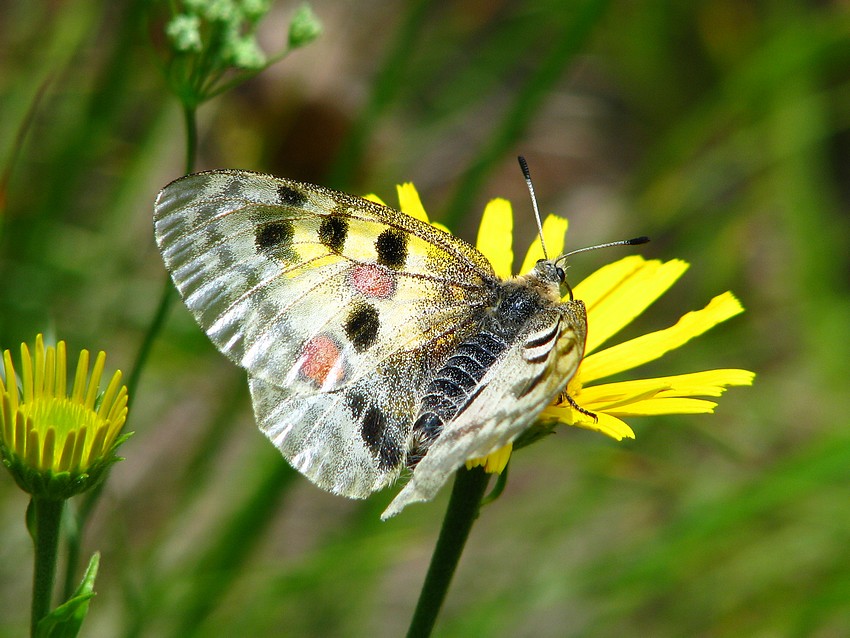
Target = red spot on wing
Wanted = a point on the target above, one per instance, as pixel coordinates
(321, 361)
(373, 281)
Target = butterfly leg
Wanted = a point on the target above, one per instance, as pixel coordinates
(566, 397)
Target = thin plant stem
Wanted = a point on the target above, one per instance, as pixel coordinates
(166, 298)
(461, 513)
(46, 519)
(191, 125)
(71, 535)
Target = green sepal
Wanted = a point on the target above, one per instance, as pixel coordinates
(498, 488)
(59, 486)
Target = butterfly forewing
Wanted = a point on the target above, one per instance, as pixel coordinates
(267, 265)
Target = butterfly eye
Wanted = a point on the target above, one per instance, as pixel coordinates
(561, 274)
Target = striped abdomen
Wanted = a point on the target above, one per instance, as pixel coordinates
(453, 387)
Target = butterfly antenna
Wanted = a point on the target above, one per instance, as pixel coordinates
(525, 172)
(623, 242)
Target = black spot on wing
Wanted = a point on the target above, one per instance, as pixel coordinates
(392, 248)
(390, 454)
(275, 237)
(375, 431)
(362, 326)
(356, 402)
(373, 426)
(290, 197)
(333, 231)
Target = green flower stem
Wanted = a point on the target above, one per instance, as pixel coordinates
(47, 515)
(71, 537)
(462, 511)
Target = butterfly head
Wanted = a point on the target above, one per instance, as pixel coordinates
(550, 272)
(551, 277)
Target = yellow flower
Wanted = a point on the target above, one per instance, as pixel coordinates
(614, 296)
(57, 444)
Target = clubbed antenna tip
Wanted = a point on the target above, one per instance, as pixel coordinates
(525, 173)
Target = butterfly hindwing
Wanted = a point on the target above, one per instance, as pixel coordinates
(351, 441)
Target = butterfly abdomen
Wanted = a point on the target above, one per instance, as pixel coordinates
(457, 382)
(453, 386)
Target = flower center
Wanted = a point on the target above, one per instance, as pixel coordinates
(59, 434)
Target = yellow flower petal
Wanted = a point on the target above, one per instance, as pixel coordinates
(374, 198)
(409, 202)
(709, 383)
(615, 294)
(495, 236)
(605, 423)
(494, 463)
(554, 231)
(649, 347)
(672, 405)
(663, 395)
(599, 284)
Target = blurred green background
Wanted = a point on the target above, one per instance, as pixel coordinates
(719, 128)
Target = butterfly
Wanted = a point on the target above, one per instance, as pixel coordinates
(374, 342)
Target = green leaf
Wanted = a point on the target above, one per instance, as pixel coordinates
(66, 619)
